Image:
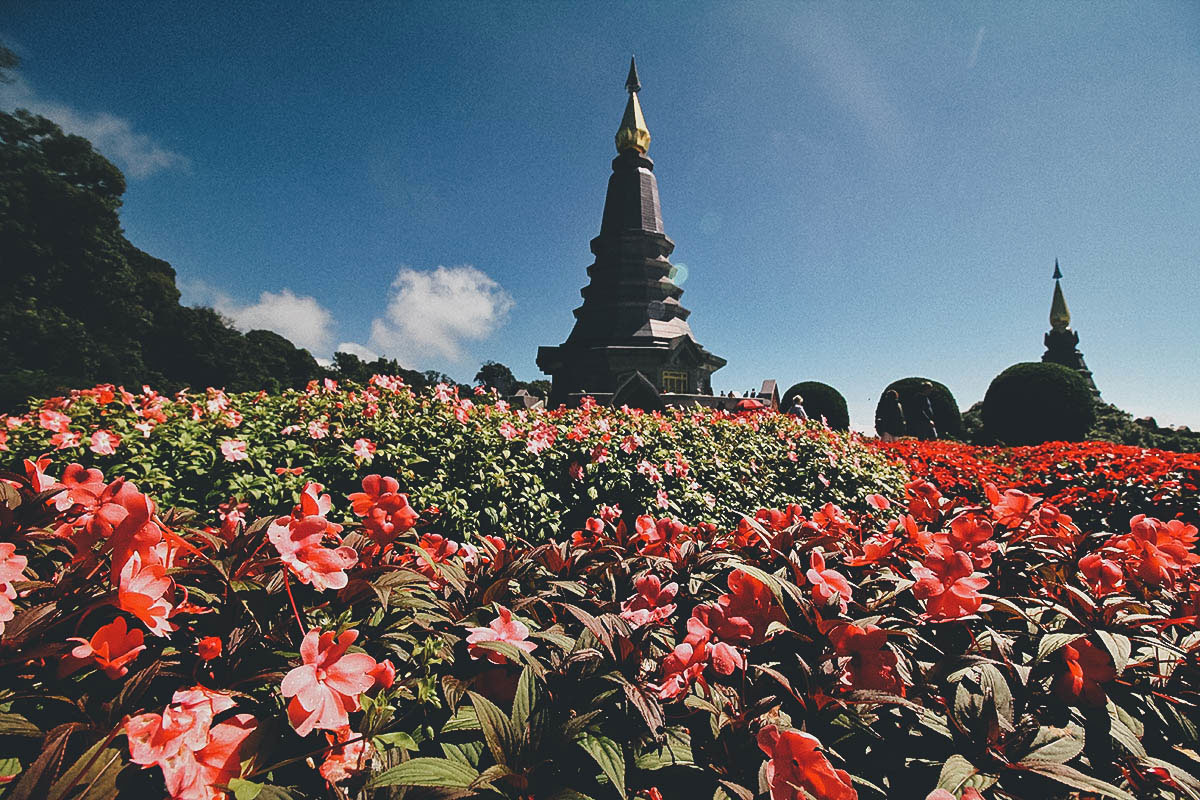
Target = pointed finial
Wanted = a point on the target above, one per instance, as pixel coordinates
(633, 133)
(632, 84)
(1060, 316)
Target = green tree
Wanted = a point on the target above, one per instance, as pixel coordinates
(494, 375)
(81, 305)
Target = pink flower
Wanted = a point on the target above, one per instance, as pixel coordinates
(195, 756)
(104, 443)
(54, 421)
(502, 629)
(651, 604)
(351, 755)
(66, 439)
(318, 429)
(325, 688)
(142, 592)
(12, 568)
(234, 450)
(364, 450)
(300, 547)
(113, 646)
(827, 584)
(575, 471)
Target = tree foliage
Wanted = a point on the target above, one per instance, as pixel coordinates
(82, 305)
(1035, 402)
(820, 400)
(946, 415)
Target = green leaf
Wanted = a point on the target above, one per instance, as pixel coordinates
(244, 790)
(525, 700)
(498, 730)
(994, 684)
(607, 754)
(17, 725)
(675, 750)
(441, 772)
(396, 739)
(464, 719)
(1118, 646)
(1054, 745)
(1053, 642)
(956, 771)
(1068, 776)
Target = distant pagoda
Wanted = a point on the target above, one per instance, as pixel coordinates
(631, 344)
(1061, 342)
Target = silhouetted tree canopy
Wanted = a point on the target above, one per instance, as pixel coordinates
(81, 305)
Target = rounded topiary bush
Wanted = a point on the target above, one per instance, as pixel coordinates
(946, 416)
(820, 400)
(1035, 402)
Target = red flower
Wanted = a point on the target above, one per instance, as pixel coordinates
(1103, 576)
(827, 584)
(104, 443)
(12, 568)
(112, 646)
(502, 629)
(797, 763)
(685, 664)
(751, 604)
(386, 513)
(971, 535)
(1087, 666)
(209, 648)
(1013, 508)
(869, 663)
(325, 688)
(949, 585)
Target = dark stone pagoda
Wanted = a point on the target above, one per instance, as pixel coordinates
(631, 344)
(1061, 342)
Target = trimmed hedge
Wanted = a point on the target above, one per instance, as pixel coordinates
(1035, 402)
(820, 400)
(946, 415)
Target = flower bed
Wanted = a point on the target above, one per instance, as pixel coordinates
(353, 643)
(1103, 484)
(479, 466)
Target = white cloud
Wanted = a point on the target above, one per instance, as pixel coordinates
(137, 154)
(975, 50)
(356, 349)
(432, 313)
(299, 318)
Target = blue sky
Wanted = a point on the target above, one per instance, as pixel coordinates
(859, 192)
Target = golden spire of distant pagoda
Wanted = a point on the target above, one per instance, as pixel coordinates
(1060, 317)
(633, 133)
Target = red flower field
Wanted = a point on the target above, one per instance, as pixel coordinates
(304, 615)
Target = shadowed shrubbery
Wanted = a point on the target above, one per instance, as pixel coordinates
(820, 400)
(946, 415)
(1035, 402)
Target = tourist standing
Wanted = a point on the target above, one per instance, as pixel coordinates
(797, 409)
(926, 429)
(889, 420)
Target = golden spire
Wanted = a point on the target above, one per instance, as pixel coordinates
(1060, 317)
(633, 133)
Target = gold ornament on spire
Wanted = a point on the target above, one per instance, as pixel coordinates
(1060, 317)
(633, 133)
